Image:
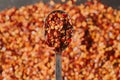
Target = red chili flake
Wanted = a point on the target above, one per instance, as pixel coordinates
(64, 15)
(89, 3)
(69, 40)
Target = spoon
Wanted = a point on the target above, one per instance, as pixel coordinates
(58, 32)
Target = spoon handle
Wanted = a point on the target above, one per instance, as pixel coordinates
(58, 67)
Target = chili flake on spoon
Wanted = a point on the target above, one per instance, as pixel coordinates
(58, 30)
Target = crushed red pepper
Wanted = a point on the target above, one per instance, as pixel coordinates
(93, 54)
(58, 30)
